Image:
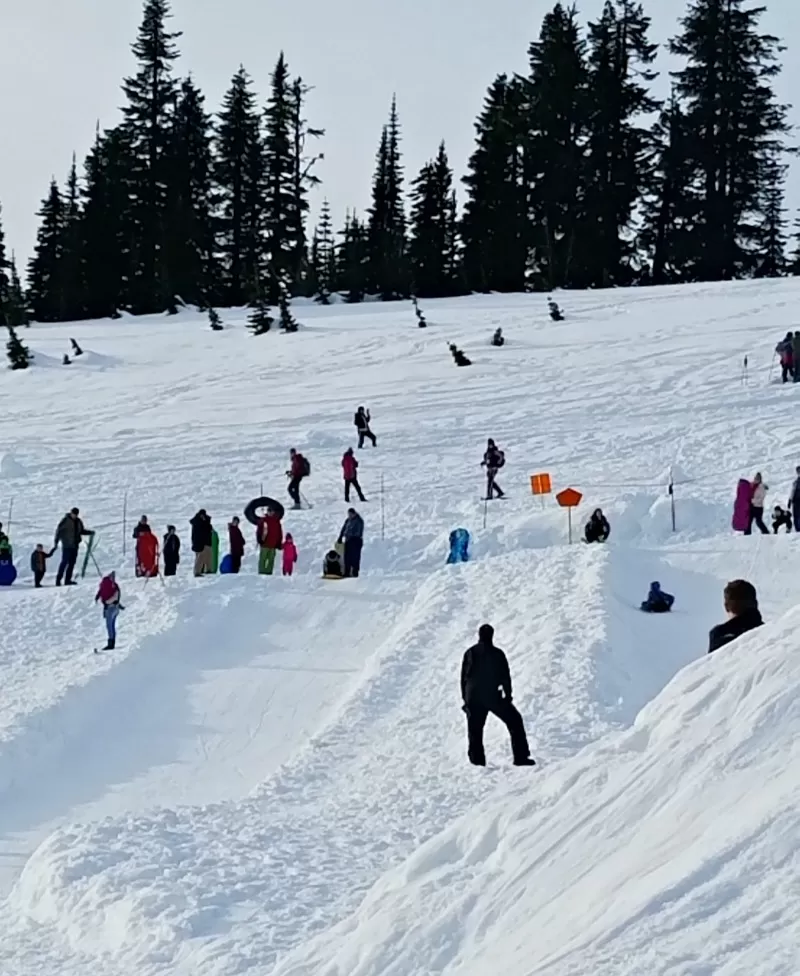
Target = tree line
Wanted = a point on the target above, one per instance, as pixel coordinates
(580, 178)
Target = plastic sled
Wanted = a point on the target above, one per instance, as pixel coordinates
(741, 507)
(459, 547)
(214, 551)
(226, 566)
(8, 573)
(147, 555)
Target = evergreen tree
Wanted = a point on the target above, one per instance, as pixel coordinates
(214, 320)
(44, 280)
(737, 128)
(239, 175)
(259, 321)
(149, 125)
(304, 178)
(794, 261)
(283, 219)
(433, 245)
(555, 109)
(191, 245)
(352, 260)
(324, 257)
(771, 238)
(494, 229)
(288, 323)
(620, 147)
(19, 356)
(16, 307)
(5, 279)
(386, 235)
(70, 287)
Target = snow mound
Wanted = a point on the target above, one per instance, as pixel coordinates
(671, 847)
(10, 467)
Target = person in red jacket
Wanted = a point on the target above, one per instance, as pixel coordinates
(270, 540)
(350, 469)
(299, 469)
(236, 541)
(289, 554)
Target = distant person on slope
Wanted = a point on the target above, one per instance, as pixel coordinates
(350, 471)
(658, 601)
(202, 539)
(794, 499)
(171, 550)
(142, 526)
(757, 499)
(796, 356)
(69, 532)
(289, 555)
(269, 534)
(109, 595)
(362, 423)
(486, 687)
(299, 469)
(785, 349)
(493, 460)
(597, 528)
(352, 535)
(236, 542)
(741, 605)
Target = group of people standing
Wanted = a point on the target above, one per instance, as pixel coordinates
(751, 502)
(788, 349)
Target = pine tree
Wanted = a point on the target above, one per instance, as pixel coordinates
(190, 243)
(19, 356)
(288, 323)
(44, 279)
(555, 109)
(214, 320)
(736, 127)
(149, 124)
(324, 257)
(304, 178)
(5, 280)
(386, 235)
(352, 260)
(239, 175)
(433, 246)
(620, 147)
(16, 307)
(259, 321)
(70, 287)
(772, 237)
(494, 229)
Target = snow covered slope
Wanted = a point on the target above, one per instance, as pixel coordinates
(268, 775)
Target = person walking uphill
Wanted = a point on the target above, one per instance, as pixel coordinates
(352, 535)
(69, 532)
(493, 460)
(270, 538)
(299, 469)
(362, 424)
(201, 542)
(757, 500)
(486, 687)
(236, 542)
(109, 595)
(350, 470)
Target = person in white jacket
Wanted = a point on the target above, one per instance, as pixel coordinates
(757, 501)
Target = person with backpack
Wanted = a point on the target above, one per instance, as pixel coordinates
(202, 541)
(69, 532)
(352, 535)
(171, 550)
(236, 542)
(493, 460)
(350, 470)
(299, 468)
(485, 688)
(109, 595)
(289, 555)
(362, 424)
(269, 534)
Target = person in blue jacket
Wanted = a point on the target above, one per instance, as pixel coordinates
(657, 600)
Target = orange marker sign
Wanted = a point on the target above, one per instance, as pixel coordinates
(540, 484)
(569, 498)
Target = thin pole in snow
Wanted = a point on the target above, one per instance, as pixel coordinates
(485, 508)
(383, 511)
(10, 513)
(672, 499)
(125, 524)
(569, 523)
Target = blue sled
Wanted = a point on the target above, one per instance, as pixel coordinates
(459, 546)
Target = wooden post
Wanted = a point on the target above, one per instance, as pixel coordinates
(569, 522)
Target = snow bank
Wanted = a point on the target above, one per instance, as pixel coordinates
(10, 467)
(672, 847)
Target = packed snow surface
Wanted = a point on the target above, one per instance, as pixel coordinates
(268, 776)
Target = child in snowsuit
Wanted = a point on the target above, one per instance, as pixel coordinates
(657, 600)
(332, 566)
(39, 565)
(781, 517)
(109, 595)
(289, 554)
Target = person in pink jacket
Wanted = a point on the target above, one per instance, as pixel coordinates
(289, 555)
(350, 470)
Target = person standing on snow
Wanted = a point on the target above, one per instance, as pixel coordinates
(794, 499)
(741, 605)
(350, 470)
(39, 565)
(141, 527)
(757, 499)
(236, 542)
(486, 687)
(289, 555)
(69, 532)
(796, 356)
(109, 595)
(299, 469)
(171, 551)
(785, 349)
(362, 424)
(352, 535)
(201, 542)
(270, 539)
(493, 460)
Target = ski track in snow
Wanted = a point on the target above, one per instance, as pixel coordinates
(222, 792)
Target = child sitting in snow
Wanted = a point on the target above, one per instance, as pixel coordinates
(289, 554)
(332, 567)
(781, 517)
(657, 600)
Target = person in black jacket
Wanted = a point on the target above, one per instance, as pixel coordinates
(362, 422)
(486, 687)
(141, 527)
(171, 551)
(741, 604)
(597, 528)
(201, 542)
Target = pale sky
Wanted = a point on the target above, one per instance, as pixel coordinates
(62, 64)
